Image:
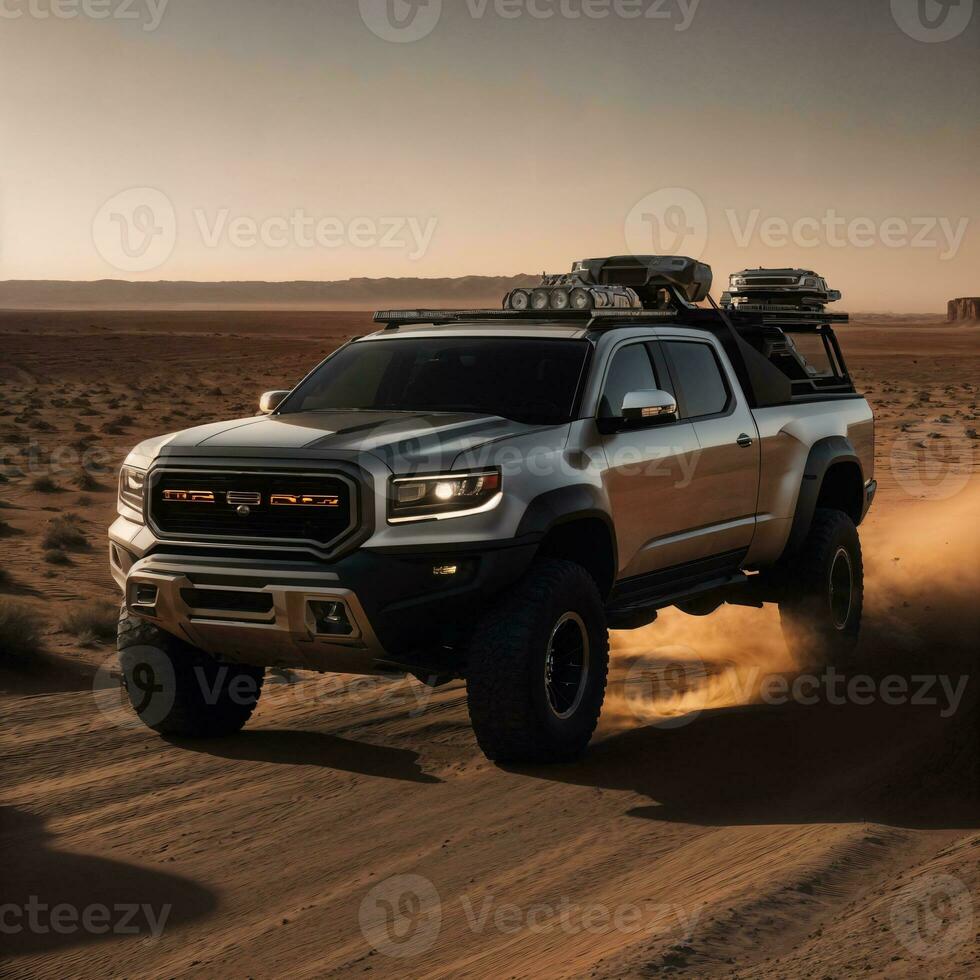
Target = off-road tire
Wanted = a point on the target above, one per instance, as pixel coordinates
(811, 609)
(510, 705)
(177, 689)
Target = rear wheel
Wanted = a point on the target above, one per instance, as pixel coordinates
(177, 689)
(823, 598)
(537, 665)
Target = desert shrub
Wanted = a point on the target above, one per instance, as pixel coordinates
(65, 534)
(44, 484)
(87, 481)
(92, 623)
(55, 557)
(6, 579)
(6, 530)
(20, 632)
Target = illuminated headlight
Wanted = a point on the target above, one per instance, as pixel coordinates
(540, 299)
(131, 487)
(439, 497)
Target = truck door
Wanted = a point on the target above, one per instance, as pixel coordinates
(725, 485)
(647, 475)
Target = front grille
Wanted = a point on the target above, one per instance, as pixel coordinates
(771, 281)
(313, 507)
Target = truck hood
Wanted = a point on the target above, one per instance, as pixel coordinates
(404, 441)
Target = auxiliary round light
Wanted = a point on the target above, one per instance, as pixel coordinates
(520, 299)
(540, 299)
(559, 299)
(581, 299)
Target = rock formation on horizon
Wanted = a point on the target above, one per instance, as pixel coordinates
(966, 308)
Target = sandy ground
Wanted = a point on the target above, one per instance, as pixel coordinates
(714, 828)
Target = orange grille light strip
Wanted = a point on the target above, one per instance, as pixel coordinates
(189, 496)
(304, 500)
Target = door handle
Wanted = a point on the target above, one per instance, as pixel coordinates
(744, 440)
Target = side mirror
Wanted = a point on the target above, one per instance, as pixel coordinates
(650, 407)
(271, 400)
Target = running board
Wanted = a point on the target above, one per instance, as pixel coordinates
(622, 615)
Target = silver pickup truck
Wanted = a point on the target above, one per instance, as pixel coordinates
(483, 494)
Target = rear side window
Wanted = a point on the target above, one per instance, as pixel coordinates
(698, 376)
(630, 370)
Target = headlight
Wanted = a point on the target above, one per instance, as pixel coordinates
(581, 299)
(439, 497)
(131, 484)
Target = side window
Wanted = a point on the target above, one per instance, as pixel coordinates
(698, 376)
(630, 370)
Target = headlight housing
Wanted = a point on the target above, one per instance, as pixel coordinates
(132, 484)
(439, 497)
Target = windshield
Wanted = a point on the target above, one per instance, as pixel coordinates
(524, 379)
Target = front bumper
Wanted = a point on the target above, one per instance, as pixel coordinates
(400, 604)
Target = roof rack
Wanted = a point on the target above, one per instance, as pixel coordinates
(786, 318)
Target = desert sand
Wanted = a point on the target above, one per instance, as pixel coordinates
(709, 831)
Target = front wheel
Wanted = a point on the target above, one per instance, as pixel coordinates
(176, 689)
(537, 666)
(823, 598)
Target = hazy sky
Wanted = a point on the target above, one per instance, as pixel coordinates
(284, 139)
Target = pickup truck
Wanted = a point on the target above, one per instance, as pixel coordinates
(484, 494)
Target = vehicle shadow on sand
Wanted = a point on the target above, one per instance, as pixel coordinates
(310, 748)
(901, 766)
(38, 878)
